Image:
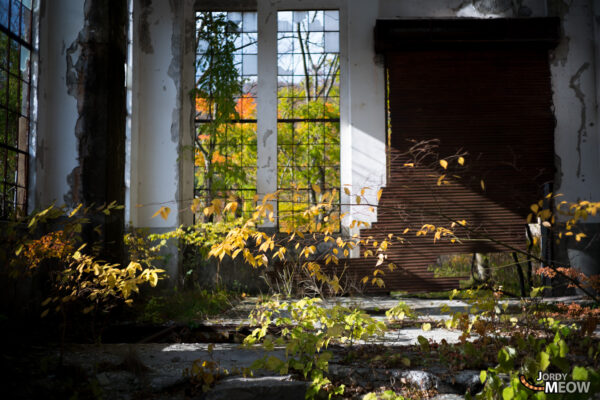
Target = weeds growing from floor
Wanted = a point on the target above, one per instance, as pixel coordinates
(187, 305)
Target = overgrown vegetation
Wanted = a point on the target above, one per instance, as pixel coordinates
(188, 306)
(48, 247)
(486, 318)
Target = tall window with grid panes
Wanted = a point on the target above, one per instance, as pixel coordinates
(15, 92)
(308, 124)
(226, 80)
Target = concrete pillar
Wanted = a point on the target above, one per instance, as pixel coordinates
(161, 173)
(155, 133)
(577, 136)
(101, 125)
(92, 39)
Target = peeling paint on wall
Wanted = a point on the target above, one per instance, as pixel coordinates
(493, 8)
(190, 36)
(558, 176)
(559, 8)
(484, 8)
(145, 39)
(266, 136)
(95, 78)
(575, 85)
(72, 77)
(561, 52)
(73, 180)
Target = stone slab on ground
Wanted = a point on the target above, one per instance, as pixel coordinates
(378, 305)
(408, 336)
(154, 366)
(439, 378)
(448, 396)
(124, 368)
(262, 388)
(426, 308)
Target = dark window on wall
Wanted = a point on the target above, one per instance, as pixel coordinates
(308, 131)
(15, 90)
(226, 80)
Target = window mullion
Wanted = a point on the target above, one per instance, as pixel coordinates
(266, 179)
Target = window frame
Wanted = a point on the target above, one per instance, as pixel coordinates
(307, 196)
(25, 112)
(244, 193)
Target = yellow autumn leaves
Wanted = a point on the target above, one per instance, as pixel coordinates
(99, 282)
(565, 217)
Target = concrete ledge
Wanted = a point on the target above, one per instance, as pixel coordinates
(268, 387)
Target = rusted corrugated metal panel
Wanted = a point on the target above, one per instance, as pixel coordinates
(495, 106)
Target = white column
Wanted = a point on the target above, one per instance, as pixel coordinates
(366, 86)
(156, 117)
(266, 147)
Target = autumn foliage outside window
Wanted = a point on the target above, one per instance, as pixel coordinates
(225, 137)
(308, 113)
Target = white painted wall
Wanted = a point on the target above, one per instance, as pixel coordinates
(56, 153)
(365, 138)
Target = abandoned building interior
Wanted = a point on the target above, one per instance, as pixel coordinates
(105, 101)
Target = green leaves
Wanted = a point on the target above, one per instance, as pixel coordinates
(314, 328)
(273, 363)
(536, 355)
(536, 291)
(506, 357)
(399, 312)
(508, 393)
(424, 343)
(544, 360)
(580, 374)
(386, 395)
